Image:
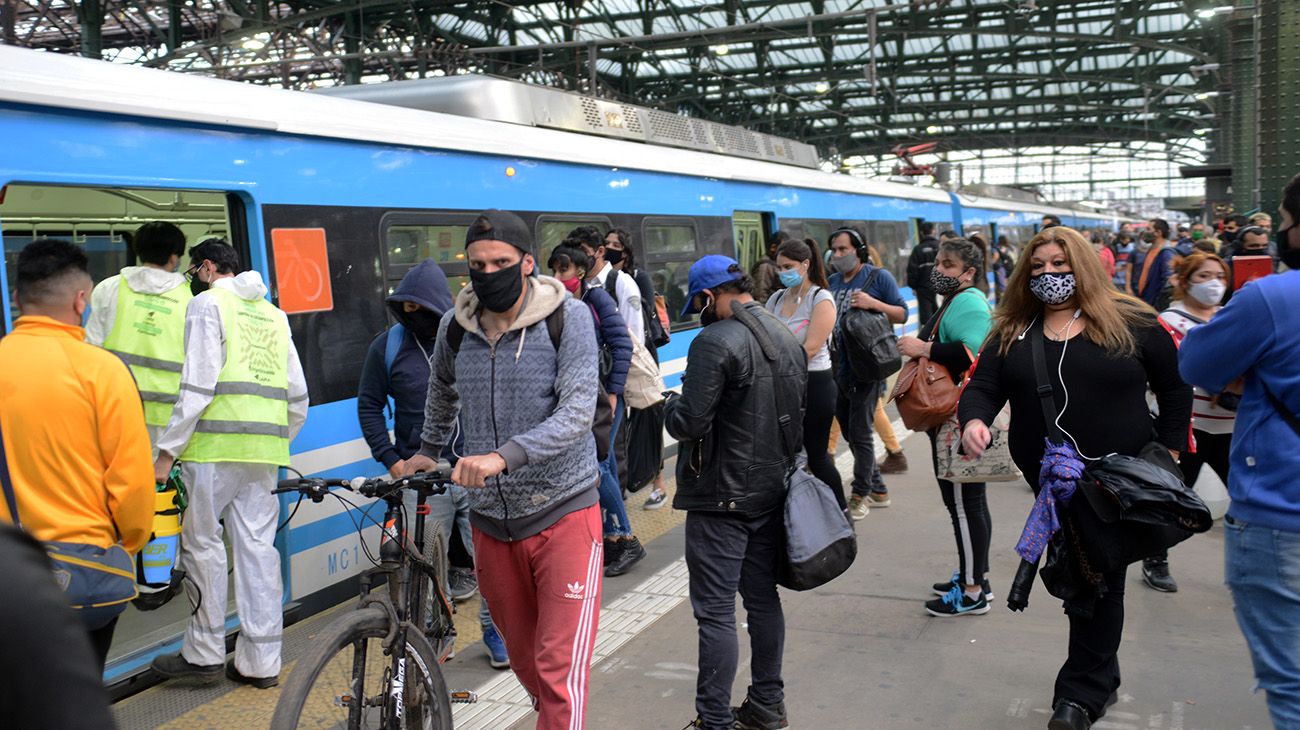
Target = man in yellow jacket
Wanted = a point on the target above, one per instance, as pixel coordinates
(73, 426)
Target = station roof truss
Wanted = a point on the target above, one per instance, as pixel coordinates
(854, 77)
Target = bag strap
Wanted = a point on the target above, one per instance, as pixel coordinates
(938, 316)
(392, 346)
(749, 319)
(1282, 411)
(1146, 266)
(611, 283)
(10, 499)
(1046, 398)
(871, 279)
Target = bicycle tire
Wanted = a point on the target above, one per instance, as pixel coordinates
(344, 638)
(431, 609)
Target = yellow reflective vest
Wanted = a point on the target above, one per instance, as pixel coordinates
(149, 335)
(248, 418)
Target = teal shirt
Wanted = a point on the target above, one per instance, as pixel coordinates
(967, 320)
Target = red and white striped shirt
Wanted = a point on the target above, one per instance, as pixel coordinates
(1206, 416)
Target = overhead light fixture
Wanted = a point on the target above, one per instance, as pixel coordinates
(932, 129)
(1209, 13)
(256, 42)
(1091, 204)
(1202, 131)
(822, 87)
(1206, 95)
(722, 49)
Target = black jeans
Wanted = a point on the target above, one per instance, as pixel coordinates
(726, 553)
(855, 407)
(972, 524)
(1091, 669)
(817, 416)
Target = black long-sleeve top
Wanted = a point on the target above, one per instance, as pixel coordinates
(1107, 411)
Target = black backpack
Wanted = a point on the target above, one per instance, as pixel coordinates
(655, 334)
(603, 418)
(870, 342)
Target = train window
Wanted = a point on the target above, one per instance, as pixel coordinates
(670, 279)
(890, 237)
(669, 236)
(102, 220)
(552, 229)
(411, 244)
(801, 228)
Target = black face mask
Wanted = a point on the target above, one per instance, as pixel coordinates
(613, 256)
(198, 286)
(1288, 243)
(422, 322)
(499, 290)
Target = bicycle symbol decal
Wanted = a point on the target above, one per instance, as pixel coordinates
(302, 270)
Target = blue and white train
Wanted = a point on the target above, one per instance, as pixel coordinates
(334, 199)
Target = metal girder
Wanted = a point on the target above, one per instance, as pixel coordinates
(890, 68)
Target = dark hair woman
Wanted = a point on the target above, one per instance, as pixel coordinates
(808, 309)
(570, 264)
(951, 338)
(1104, 350)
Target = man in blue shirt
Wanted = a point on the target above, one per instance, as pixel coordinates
(1257, 335)
(856, 406)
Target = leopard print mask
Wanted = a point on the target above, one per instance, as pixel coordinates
(1052, 287)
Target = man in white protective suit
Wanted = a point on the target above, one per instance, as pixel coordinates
(243, 397)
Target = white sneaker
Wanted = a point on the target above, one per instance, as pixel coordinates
(858, 508)
(656, 499)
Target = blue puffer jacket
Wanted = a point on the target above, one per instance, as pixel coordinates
(611, 331)
(408, 381)
(1256, 335)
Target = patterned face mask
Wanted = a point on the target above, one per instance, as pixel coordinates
(1052, 287)
(943, 284)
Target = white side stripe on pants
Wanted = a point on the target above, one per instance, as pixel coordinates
(578, 669)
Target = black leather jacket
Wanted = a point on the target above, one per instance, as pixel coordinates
(731, 457)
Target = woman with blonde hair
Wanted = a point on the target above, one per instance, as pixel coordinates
(1103, 350)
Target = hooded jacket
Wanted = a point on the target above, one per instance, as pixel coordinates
(407, 382)
(205, 355)
(103, 300)
(525, 400)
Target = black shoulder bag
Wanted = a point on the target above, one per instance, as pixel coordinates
(1132, 507)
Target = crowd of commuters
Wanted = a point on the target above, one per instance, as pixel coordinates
(503, 380)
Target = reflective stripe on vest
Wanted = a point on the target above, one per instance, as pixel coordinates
(248, 418)
(148, 334)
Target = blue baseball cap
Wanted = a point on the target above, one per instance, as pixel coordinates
(709, 272)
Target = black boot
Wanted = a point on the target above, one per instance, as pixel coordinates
(629, 552)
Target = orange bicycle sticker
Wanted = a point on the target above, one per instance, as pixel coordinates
(302, 270)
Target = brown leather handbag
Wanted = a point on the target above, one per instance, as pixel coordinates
(925, 394)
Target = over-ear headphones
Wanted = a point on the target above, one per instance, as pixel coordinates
(860, 245)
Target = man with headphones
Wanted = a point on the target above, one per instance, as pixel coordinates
(919, 265)
(856, 406)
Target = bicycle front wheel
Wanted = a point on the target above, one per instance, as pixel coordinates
(346, 680)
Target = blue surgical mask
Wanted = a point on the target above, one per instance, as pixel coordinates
(791, 278)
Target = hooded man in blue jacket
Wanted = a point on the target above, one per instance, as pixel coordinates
(1257, 335)
(397, 367)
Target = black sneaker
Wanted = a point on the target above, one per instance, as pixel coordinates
(754, 716)
(956, 603)
(174, 666)
(941, 589)
(612, 549)
(629, 553)
(258, 682)
(1155, 573)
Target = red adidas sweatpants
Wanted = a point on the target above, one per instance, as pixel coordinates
(544, 592)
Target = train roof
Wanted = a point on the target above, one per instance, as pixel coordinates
(70, 82)
(980, 201)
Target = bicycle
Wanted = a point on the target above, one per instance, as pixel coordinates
(335, 685)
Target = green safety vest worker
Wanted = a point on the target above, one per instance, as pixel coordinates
(248, 418)
(149, 335)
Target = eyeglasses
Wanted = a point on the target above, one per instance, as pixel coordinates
(190, 272)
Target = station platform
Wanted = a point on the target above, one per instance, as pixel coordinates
(860, 652)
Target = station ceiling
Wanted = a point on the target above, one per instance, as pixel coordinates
(854, 78)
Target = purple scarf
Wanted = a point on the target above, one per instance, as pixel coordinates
(1057, 478)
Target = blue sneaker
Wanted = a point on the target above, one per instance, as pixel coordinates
(956, 603)
(497, 656)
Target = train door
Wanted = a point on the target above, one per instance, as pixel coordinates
(748, 233)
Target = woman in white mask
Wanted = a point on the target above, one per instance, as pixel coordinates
(1200, 282)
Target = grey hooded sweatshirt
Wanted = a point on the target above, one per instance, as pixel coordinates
(525, 400)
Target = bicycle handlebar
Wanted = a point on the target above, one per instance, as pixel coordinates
(435, 482)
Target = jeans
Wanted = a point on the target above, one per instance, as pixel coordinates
(611, 494)
(817, 416)
(444, 510)
(726, 553)
(1263, 573)
(855, 408)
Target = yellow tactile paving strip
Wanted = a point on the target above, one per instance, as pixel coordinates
(250, 709)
